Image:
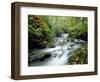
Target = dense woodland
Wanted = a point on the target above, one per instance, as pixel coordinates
(42, 31)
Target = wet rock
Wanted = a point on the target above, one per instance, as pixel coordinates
(60, 55)
(69, 48)
(79, 41)
(44, 57)
(32, 58)
(72, 44)
(55, 55)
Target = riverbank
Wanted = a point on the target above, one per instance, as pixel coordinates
(58, 55)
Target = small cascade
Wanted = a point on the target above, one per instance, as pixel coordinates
(62, 51)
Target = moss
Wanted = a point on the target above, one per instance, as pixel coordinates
(79, 56)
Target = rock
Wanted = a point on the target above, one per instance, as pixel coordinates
(60, 55)
(83, 36)
(32, 58)
(77, 42)
(72, 44)
(51, 46)
(55, 55)
(69, 48)
(44, 57)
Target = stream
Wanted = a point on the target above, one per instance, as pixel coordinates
(60, 54)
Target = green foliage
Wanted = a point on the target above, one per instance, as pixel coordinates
(79, 56)
(42, 30)
(78, 27)
(40, 35)
(75, 26)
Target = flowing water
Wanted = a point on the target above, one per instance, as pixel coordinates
(63, 49)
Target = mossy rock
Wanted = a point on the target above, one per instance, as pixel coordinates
(79, 56)
(47, 55)
(39, 55)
